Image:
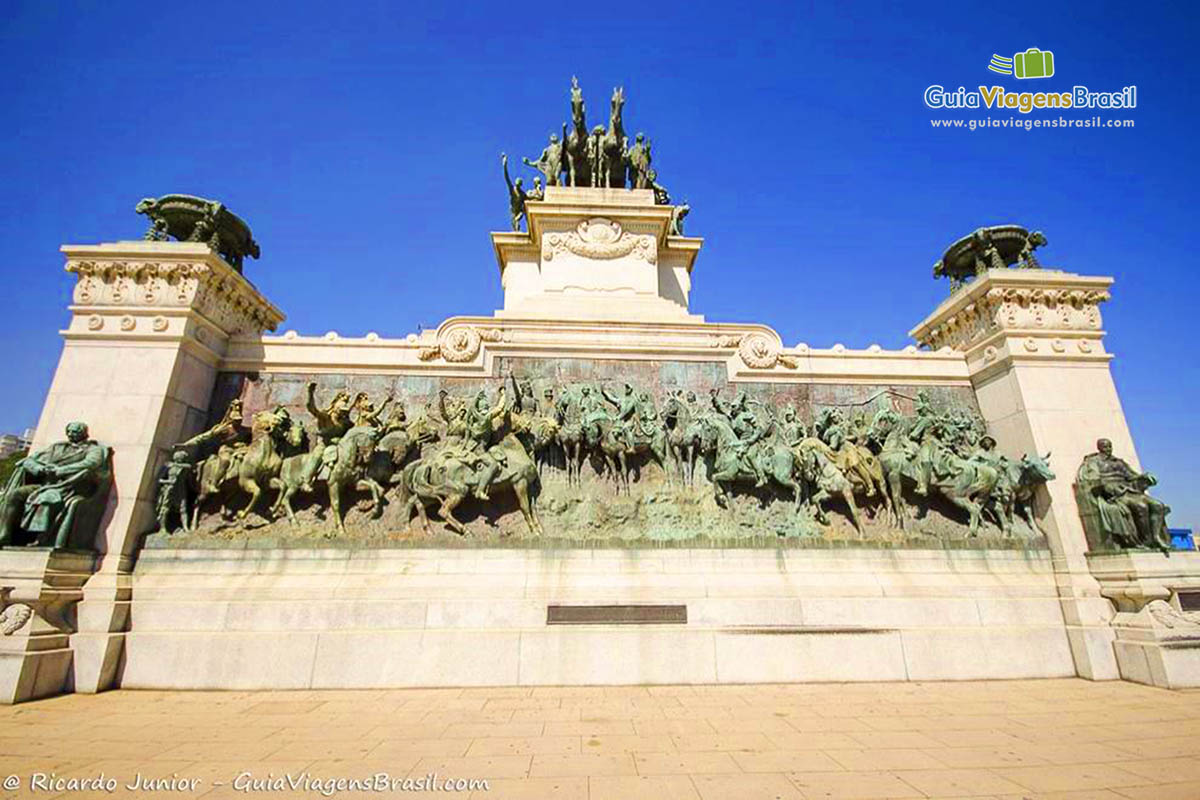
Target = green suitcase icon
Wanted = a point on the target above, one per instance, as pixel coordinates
(1034, 63)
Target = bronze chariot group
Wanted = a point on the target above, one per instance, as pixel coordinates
(458, 449)
(602, 158)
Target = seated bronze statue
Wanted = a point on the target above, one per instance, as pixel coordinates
(1114, 506)
(56, 496)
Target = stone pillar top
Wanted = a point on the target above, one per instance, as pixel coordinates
(1020, 313)
(144, 277)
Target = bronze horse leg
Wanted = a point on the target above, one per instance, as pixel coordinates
(964, 501)
(335, 502)
(848, 496)
(419, 503)
(521, 490)
(895, 491)
(446, 512)
(249, 485)
(370, 485)
(285, 499)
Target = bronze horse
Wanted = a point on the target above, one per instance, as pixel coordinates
(965, 483)
(429, 481)
(612, 146)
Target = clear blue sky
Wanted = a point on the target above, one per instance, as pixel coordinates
(361, 142)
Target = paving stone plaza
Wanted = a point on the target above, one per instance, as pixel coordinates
(1018, 740)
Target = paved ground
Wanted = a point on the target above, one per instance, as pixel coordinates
(1013, 739)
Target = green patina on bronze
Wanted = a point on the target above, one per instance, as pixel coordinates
(516, 195)
(56, 496)
(1114, 507)
(578, 451)
(603, 157)
(195, 219)
(995, 247)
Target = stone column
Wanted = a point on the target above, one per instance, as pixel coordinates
(149, 326)
(1034, 348)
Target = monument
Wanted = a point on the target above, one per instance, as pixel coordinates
(498, 501)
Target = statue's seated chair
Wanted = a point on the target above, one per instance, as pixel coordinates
(1089, 515)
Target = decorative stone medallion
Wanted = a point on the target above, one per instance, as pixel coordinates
(460, 344)
(600, 238)
(756, 350)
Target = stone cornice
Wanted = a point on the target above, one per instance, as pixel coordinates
(469, 346)
(1030, 305)
(131, 279)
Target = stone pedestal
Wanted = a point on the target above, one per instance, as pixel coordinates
(39, 589)
(1157, 629)
(600, 254)
(149, 325)
(1034, 348)
(376, 618)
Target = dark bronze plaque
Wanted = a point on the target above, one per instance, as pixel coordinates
(1189, 601)
(616, 615)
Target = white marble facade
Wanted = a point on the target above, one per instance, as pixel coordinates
(597, 277)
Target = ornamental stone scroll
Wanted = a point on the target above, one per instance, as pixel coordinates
(460, 344)
(757, 350)
(600, 238)
(14, 617)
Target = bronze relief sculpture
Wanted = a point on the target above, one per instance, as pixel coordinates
(494, 449)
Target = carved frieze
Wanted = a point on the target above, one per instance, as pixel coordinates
(1009, 308)
(601, 239)
(219, 294)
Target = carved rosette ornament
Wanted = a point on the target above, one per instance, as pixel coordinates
(601, 239)
(459, 344)
(1018, 309)
(757, 350)
(220, 294)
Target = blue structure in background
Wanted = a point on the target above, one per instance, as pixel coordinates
(1181, 538)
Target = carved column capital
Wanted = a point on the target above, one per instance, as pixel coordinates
(151, 289)
(1045, 311)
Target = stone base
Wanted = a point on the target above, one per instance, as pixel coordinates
(33, 675)
(1147, 654)
(1133, 578)
(39, 588)
(1157, 638)
(205, 619)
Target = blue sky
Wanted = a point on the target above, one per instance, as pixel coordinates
(361, 141)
